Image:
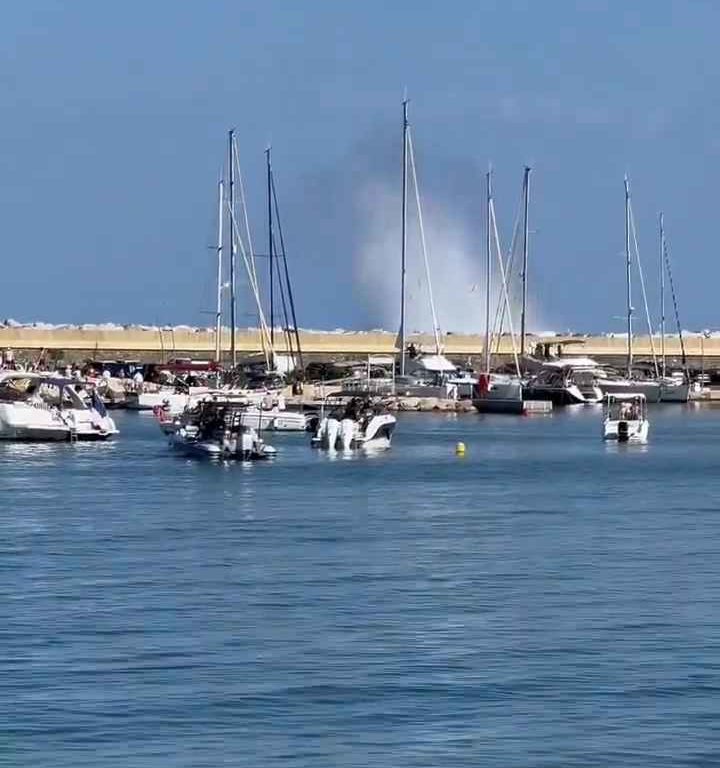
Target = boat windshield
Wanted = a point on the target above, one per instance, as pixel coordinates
(59, 394)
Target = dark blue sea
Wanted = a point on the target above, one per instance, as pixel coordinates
(547, 600)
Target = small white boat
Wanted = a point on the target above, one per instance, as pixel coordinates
(625, 418)
(358, 426)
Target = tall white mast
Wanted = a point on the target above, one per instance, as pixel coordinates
(218, 311)
(403, 256)
(662, 293)
(627, 277)
(488, 273)
(423, 244)
(526, 232)
(231, 222)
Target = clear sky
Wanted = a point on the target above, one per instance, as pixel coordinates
(113, 119)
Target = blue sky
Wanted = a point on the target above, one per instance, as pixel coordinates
(113, 119)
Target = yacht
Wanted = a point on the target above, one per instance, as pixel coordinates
(565, 382)
(39, 407)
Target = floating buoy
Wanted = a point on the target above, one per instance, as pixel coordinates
(460, 449)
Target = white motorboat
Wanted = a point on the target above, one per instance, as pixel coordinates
(357, 426)
(565, 382)
(38, 407)
(625, 418)
(148, 399)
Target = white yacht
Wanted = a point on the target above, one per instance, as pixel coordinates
(39, 407)
(625, 418)
(565, 382)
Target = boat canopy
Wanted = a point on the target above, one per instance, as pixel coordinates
(571, 362)
(434, 364)
(626, 397)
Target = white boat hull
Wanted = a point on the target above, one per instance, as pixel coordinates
(212, 449)
(651, 389)
(674, 392)
(176, 401)
(626, 430)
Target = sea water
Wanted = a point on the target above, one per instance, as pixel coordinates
(546, 600)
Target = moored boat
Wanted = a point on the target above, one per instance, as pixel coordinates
(37, 407)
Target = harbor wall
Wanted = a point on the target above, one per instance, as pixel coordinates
(73, 342)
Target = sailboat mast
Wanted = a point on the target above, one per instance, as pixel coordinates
(404, 238)
(488, 273)
(662, 292)
(270, 247)
(218, 311)
(526, 232)
(231, 227)
(627, 277)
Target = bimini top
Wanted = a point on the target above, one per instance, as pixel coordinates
(571, 362)
(628, 397)
(434, 364)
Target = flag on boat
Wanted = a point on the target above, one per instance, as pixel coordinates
(97, 403)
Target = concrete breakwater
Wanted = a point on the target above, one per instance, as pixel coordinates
(73, 343)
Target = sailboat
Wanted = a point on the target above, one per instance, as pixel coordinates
(672, 390)
(433, 368)
(498, 393)
(629, 384)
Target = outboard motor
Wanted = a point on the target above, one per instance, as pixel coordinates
(623, 431)
(332, 427)
(347, 432)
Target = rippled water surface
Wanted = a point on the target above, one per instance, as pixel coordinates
(546, 600)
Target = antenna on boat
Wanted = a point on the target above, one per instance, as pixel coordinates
(526, 231)
(403, 256)
(231, 219)
(218, 312)
(628, 277)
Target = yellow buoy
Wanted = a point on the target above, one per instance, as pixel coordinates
(460, 449)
